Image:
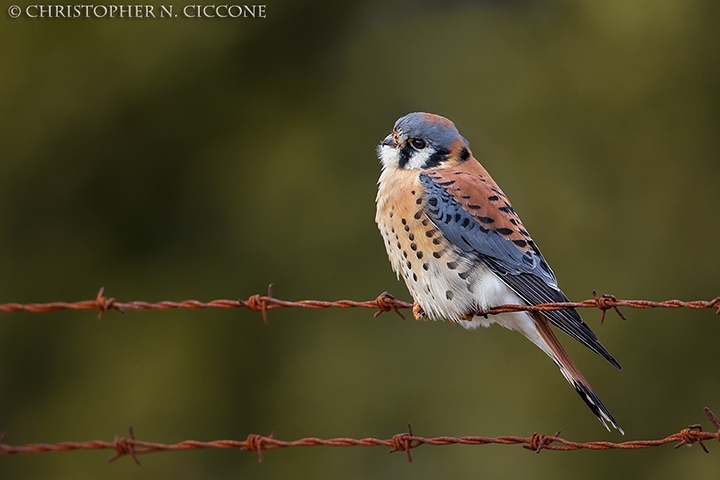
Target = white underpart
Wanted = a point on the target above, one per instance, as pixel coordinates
(485, 291)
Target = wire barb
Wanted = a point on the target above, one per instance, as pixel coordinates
(125, 446)
(605, 303)
(713, 418)
(255, 443)
(257, 303)
(386, 303)
(539, 441)
(690, 435)
(403, 442)
(104, 304)
(715, 302)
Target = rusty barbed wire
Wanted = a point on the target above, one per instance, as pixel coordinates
(402, 442)
(385, 302)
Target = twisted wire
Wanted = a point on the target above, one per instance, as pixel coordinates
(401, 442)
(384, 302)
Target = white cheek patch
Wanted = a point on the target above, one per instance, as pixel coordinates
(418, 159)
(389, 156)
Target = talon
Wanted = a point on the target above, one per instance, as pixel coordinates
(418, 312)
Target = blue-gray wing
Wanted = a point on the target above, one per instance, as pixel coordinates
(474, 215)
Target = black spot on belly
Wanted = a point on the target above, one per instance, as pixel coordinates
(418, 201)
(465, 275)
(404, 222)
(404, 254)
(425, 267)
(472, 206)
(409, 264)
(430, 233)
(417, 216)
(504, 231)
(413, 246)
(391, 214)
(407, 228)
(449, 294)
(486, 219)
(414, 277)
(392, 229)
(398, 245)
(425, 222)
(437, 241)
(493, 198)
(452, 265)
(413, 192)
(411, 237)
(437, 254)
(419, 255)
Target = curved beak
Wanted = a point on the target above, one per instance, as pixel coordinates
(389, 141)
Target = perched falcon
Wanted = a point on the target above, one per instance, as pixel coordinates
(453, 236)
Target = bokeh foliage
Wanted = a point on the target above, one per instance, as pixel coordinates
(170, 159)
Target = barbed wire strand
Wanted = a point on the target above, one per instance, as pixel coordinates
(383, 303)
(402, 442)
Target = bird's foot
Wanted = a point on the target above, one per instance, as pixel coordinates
(418, 312)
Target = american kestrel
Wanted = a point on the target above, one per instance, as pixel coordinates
(453, 236)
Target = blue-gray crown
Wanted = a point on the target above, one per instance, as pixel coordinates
(438, 131)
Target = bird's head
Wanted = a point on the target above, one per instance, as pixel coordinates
(421, 141)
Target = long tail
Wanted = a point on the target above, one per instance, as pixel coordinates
(571, 372)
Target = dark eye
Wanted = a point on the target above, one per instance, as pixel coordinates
(417, 143)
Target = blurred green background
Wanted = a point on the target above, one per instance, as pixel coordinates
(173, 159)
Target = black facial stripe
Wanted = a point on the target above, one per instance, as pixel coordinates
(404, 156)
(439, 156)
(464, 154)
